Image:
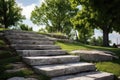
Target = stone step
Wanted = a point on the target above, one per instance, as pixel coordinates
(38, 42)
(13, 35)
(18, 31)
(93, 55)
(35, 47)
(28, 40)
(24, 37)
(41, 52)
(64, 69)
(87, 76)
(44, 60)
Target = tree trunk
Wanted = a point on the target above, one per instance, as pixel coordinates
(105, 37)
(4, 16)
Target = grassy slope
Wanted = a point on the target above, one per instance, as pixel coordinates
(111, 66)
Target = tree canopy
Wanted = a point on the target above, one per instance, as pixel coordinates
(101, 14)
(55, 14)
(25, 27)
(83, 27)
(10, 13)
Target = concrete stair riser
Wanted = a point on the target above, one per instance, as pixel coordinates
(87, 76)
(9, 32)
(24, 37)
(19, 31)
(64, 69)
(41, 52)
(30, 42)
(35, 47)
(45, 60)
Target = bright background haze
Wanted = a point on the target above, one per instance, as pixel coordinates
(29, 5)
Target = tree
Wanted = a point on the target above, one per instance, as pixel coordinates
(25, 27)
(102, 14)
(55, 14)
(10, 13)
(83, 27)
(96, 41)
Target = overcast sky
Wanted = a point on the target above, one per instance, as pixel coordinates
(29, 5)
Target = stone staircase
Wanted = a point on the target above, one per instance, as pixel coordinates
(46, 58)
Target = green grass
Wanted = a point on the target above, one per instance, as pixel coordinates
(79, 46)
(55, 35)
(21, 73)
(2, 42)
(111, 66)
(1, 29)
(6, 54)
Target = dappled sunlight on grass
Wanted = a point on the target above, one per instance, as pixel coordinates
(111, 66)
(69, 47)
(79, 46)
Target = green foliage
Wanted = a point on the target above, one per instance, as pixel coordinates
(21, 73)
(42, 30)
(58, 35)
(43, 77)
(2, 43)
(96, 41)
(55, 14)
(10, 13)
(10, 60)
(84, 28)
(6, 54)
(25, 27)
(85, 34)
(102, 14)
(1, 29)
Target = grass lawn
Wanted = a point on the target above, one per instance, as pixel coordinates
(111, 66)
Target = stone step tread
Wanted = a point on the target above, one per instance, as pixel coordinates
(41, 52)
(63, 69)
(25, 38)
(20, 35)
(95, 75)
(32, 42)
(43, 60)
(35, 47)
(18, 31)
(13, 35)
